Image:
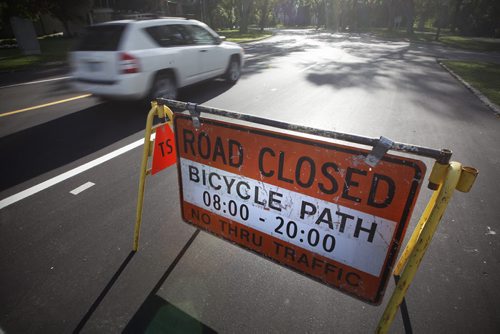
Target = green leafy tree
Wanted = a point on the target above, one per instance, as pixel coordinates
(477, 17)
(409, 7)
(208, 11)
(12, 10)
(28, 9)
(264, 9)
(318, 9)
(226, 13)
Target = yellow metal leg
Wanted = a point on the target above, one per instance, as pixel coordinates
(142, 179)
(427, 226)
(467, 177)
(415, 236)
(162, 112)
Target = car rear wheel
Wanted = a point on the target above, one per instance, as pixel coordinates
(164, 87)
(233, 71)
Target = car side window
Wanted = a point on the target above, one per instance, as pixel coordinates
(168, 35)
(200, 36)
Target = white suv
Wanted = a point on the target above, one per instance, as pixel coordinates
(133, 60)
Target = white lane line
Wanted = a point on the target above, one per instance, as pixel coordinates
(81, 188)
(64, 176)
(35, 82)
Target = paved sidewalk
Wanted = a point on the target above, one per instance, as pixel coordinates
(449, 53)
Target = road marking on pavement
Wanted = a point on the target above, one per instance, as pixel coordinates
(64, 176)
(35, 82)
(308, 67)
(81, 188)
(45, 105)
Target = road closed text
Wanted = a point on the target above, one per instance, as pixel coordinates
(302, 171)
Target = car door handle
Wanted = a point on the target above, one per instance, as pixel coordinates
(203, 50)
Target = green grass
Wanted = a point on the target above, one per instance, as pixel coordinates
(418, 36)
(237, 37)
(472, 43)
(53, 50)
(485, 77)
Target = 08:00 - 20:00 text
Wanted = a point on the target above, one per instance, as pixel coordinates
(288, 229)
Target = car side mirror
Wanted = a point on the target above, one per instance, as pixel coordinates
(221, 39)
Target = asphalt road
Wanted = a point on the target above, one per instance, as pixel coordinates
(66, 262)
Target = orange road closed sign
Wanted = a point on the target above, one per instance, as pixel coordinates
(310, 205)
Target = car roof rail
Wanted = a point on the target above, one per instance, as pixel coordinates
(172, 17)
(159, 17)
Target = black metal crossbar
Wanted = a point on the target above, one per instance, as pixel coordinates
(442, 156)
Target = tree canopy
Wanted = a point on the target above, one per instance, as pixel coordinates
(466, 17)
(64, 10)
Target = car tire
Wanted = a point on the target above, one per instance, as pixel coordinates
(164, 86)
(233, 71)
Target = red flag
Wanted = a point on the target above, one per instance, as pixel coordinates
(164, 154)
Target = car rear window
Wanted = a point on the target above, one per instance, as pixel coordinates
(101, 38)
(169, 35)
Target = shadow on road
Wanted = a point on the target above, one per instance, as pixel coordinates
(157, 315)
(48, 146)
(45, 147)
(376, 66)
(104, 292)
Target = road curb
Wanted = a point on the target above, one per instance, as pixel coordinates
(480, 96)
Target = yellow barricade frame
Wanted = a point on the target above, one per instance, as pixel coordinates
(445, 178)
(449, 177)
(162, 112)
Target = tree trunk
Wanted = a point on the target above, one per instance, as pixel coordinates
(263, 14)
(25, 34)
(66, 28)
(354, 16)
(390, 15)
(421, 21)
(317, 13)
(42, 25)
(245, 8)
(165, 8)
(179, 10)
(337, 13)
(410, 16)
(438, 33)
(456, 11)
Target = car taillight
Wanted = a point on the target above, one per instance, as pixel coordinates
(129, 63)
